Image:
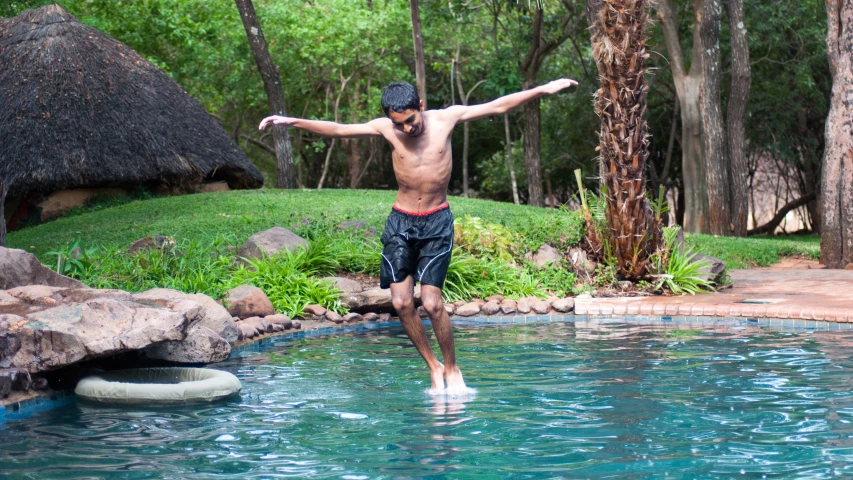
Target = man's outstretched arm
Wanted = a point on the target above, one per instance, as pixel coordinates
(506, 103)
(324, 128)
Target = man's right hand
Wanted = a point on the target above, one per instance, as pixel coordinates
(277, 120)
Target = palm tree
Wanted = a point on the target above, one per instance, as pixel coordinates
(619, 46)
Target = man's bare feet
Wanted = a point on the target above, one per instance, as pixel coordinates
(454, 381)
(437, 377)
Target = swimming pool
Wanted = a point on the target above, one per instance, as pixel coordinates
(570, 400)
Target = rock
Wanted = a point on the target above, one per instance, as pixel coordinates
(355, 225)
(580, 261)
(277, 327)
(849, 266)
(459, 303)
(369, 300)
(545, 255)
(352, 317)
(247, 301)
(6, 377)
(540, 306)
(257, 324)
(422, 312)
(297, 324)
(333, 317)
(449, 308)
(215, 317)
(716, 268)
(371, 317)
(247, 331)
(384, 317)
(280, 319)
(551, 299)
(345, 285)
(152, 242)
(479, 301)
(87, 324)
(270, 242)
(508, 306)
(14, 379)
(315, 310)
(468, 309)
(495, 298)
(201, 345)
(19, 268)
(522, 306)
(39, 383)
(490, 308)
(564, 305)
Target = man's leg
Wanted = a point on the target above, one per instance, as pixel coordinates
(402, 297)
(431, 298)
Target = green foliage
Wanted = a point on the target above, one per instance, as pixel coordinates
(286, 284)
(469, 277)
(678, 270)
(74, 261)
(491, 240)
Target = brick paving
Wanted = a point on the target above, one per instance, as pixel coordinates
(808, 294)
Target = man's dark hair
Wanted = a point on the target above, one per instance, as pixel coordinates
(400, 96)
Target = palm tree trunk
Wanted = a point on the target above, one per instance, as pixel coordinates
(618, 40)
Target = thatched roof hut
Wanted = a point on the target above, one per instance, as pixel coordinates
(79, 109)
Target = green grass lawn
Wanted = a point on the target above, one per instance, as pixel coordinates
(237, 215)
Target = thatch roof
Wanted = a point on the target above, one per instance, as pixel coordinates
(80, 109)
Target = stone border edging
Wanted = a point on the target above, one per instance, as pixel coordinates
(26, 408)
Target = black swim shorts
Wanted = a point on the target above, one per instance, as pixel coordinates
(417, 244)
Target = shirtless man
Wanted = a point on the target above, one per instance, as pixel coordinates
(418, 236)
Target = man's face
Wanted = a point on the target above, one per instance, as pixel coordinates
(409, 121)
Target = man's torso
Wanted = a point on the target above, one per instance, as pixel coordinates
(422, 164)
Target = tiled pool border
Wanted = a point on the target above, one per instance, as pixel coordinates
(26, 408)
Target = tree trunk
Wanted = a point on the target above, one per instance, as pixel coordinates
(716, 151)
(509, 160)
(689, 86)
(275, 94)
(738, 98)
(2, 213)
(618, 45)
(532, 148)
(420, 65)
(836, 232)
(464, 96)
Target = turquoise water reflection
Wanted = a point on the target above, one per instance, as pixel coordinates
(553, 401)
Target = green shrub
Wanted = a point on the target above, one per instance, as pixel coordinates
(485, 239)
(677, 270)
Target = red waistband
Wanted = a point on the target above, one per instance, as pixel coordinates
(421, 214)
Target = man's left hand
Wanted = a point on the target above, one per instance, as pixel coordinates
(555, 86)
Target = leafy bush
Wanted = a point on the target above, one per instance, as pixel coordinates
(477, 237)
(677, 270)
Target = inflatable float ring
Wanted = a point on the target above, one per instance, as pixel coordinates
(159, 386)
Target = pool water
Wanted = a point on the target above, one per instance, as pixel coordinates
(559, 400)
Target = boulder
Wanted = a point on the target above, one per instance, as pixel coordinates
(247, 301)
(355, 225)
(270, 242)
(152, 242)
(280, 319)
(371, 317)
(508, 306)
(345, 285)
(352, 317)
(495, 298)
(716, 268)
(297, 324)
(490, 308)
(85, 324)
(201, 345)
(580, 261)
(278, 327)
(257, 324)
(545, 255)
(540, 306)
(564, 305)
(215, 317)
(19, 268)
(333, 317)
(449, 308)
(422, 312)
(315, 310)
(469, 309)
(247, 331)
(522, 306)
(384, 317)
(373, 299)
